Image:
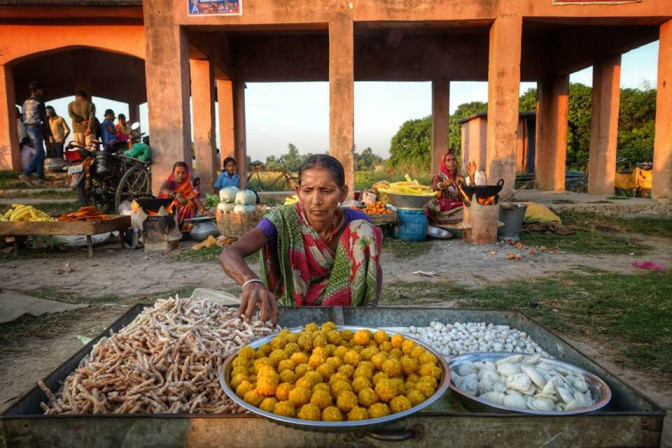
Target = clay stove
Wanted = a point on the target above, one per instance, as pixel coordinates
(481, 212)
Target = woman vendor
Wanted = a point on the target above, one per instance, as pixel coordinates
(315, 253)
(185, 199)
(446, 182)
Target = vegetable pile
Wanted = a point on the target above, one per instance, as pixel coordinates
(377, 208)
(165, 361)
(24, 213)
(330, 375)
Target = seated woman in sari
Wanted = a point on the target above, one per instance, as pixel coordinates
(446, 183)
(185, 199)
(315, 253)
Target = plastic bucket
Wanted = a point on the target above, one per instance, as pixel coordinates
(412, 225)
(512, 214)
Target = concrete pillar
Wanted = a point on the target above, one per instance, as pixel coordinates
(662, 148)
(552, 119)
(225, 108)
(133, 112)
(9, 135)
(342, 96)
(239, 131)
(503, 93)
(440, 121)
(604, 125)
(203, 98)
(167, 71)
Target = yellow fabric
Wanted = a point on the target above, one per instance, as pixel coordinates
(639, 178)
(540, 213)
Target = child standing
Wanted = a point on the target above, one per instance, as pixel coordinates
(229, 177)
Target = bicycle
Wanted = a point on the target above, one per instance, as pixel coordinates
(136, 181)
(282, 174)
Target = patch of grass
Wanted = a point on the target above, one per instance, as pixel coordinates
(207, 255)
(405, 249)
(9, 180)
(645, 225)
(630, 314)
(586, 242)
(41, 194)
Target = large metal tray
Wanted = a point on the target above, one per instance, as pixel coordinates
(345, 426)
(631, 419)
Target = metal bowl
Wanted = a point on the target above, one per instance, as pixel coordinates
(598, 388)
(438, 233)
(408, 201)
(345, 426)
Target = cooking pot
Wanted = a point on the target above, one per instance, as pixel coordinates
(203, 227)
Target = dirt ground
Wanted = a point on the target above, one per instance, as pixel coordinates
(113, 272)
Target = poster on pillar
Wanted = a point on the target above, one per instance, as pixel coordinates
(215, 7)
(594, 2)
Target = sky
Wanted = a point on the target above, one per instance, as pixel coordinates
(281, 113)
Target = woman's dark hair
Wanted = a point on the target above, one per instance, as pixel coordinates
(182, 164)
(227, 160)
(327, 162)
(120, 116)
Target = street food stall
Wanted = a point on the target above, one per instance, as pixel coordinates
(24, 220)
(177, 360)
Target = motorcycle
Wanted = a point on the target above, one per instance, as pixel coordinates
(104, 178)
(94, 174)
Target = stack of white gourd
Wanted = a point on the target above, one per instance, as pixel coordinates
(236, 201)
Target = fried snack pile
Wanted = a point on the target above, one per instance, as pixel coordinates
(165, 361)
(88, 213)
(330, 375)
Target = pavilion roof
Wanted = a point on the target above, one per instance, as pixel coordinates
(71, 2)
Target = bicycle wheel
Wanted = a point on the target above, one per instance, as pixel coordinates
(134, 182)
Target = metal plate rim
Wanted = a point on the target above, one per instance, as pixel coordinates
(345, 426)
(493, 356)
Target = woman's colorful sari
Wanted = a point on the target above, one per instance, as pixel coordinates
(301, 269)
(450, 196)
(183, 211)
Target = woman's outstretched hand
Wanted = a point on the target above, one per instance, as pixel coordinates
(256, 295)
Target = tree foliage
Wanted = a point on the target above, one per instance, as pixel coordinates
(292, 160)
(367, 160)
(412, 143)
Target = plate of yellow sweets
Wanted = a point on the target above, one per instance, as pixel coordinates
(335, 378)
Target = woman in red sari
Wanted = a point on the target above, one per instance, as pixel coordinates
(185, 198)
(446, 183)
(314, 252)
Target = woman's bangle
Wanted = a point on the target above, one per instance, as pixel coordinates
(252, 280)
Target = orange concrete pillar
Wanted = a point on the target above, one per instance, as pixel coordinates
(9, 135)
(133, 112)
(604, 125)
(552, 119)
(342, 96)
(239, 131)
(503, 93)
(440, 121)
(225, 108)
(662, 148)
(203, 98)
(167, 71)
